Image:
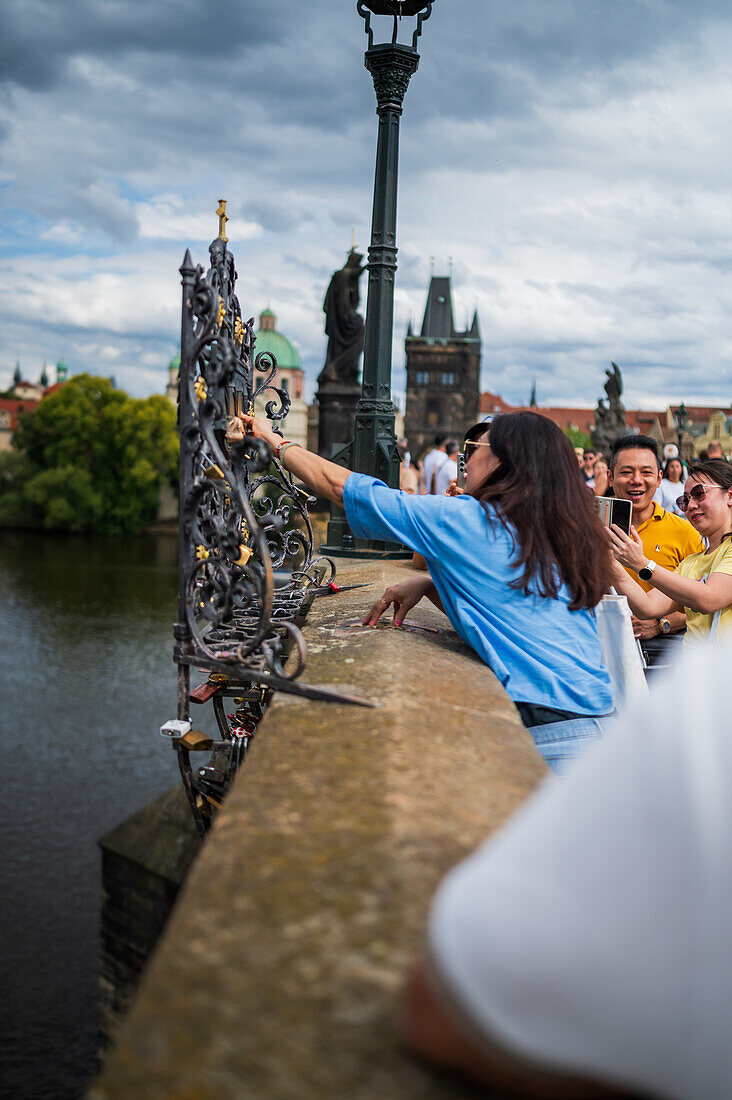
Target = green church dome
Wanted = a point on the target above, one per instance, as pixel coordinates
(268, 339)
(174, 363)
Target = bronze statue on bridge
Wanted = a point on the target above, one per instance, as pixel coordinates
(610, 415)
(338, 383)
(343, 323)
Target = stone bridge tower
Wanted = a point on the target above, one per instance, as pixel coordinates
(443, 372)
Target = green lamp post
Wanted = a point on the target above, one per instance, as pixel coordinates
(373, 450)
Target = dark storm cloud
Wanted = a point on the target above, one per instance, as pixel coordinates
(550, 37)
(516, 52)
(41, 36)
(276, 49)
(285, 57)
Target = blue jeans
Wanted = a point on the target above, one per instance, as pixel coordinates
(561, 742)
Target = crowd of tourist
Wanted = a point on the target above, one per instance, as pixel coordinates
(668, 535)
(583, 951)
(518, 559)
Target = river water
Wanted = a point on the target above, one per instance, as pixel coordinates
(87, 679)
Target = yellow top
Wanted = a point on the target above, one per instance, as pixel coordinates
(699, 567)
(667, 539)
(223, 219)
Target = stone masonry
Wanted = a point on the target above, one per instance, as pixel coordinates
(279, 973)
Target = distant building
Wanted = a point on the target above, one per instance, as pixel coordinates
(290, 376)
(579, 418)
(171, 390)
(24, 396)
(28, 391)
(313, 425)
(717, 431)
(705, 423)
(10, 410)
(25, 390)
(491, 404)
(443, 372)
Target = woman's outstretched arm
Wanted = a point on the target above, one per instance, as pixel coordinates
(324, 478)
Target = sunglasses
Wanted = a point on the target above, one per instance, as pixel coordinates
(470, 444)
(698, 493)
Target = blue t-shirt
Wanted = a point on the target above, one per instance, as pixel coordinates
(541, 651)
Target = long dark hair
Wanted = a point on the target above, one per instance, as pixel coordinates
(540, 496)
(718, 471)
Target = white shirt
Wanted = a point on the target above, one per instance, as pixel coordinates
(592, 933)
(446, 473)
(666, 495)
(432, 460)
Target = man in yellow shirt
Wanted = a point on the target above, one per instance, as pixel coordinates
(634, 475)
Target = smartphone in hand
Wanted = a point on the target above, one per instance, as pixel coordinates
(613, 510)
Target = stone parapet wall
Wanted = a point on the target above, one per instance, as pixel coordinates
(144, 862)
(279, 973)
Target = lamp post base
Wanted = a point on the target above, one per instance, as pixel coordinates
(340, 541)
(399, 553)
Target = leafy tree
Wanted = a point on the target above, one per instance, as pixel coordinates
(64, 499)
(15, 470)
(578, 438)
(94, 458)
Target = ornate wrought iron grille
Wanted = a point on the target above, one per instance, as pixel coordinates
(241, 518)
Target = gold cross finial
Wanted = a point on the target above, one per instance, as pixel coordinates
(353, 240)
(223, 219)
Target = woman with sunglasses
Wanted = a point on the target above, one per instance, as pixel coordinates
(701, 585)
(517, 562)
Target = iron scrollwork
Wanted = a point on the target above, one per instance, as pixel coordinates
(242, 519)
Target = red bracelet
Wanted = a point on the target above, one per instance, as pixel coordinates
(279, 447)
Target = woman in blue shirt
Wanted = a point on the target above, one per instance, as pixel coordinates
(518, 563)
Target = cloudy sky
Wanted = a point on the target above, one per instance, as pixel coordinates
(572, 157)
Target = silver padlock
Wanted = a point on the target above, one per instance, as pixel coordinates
(175, 729)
